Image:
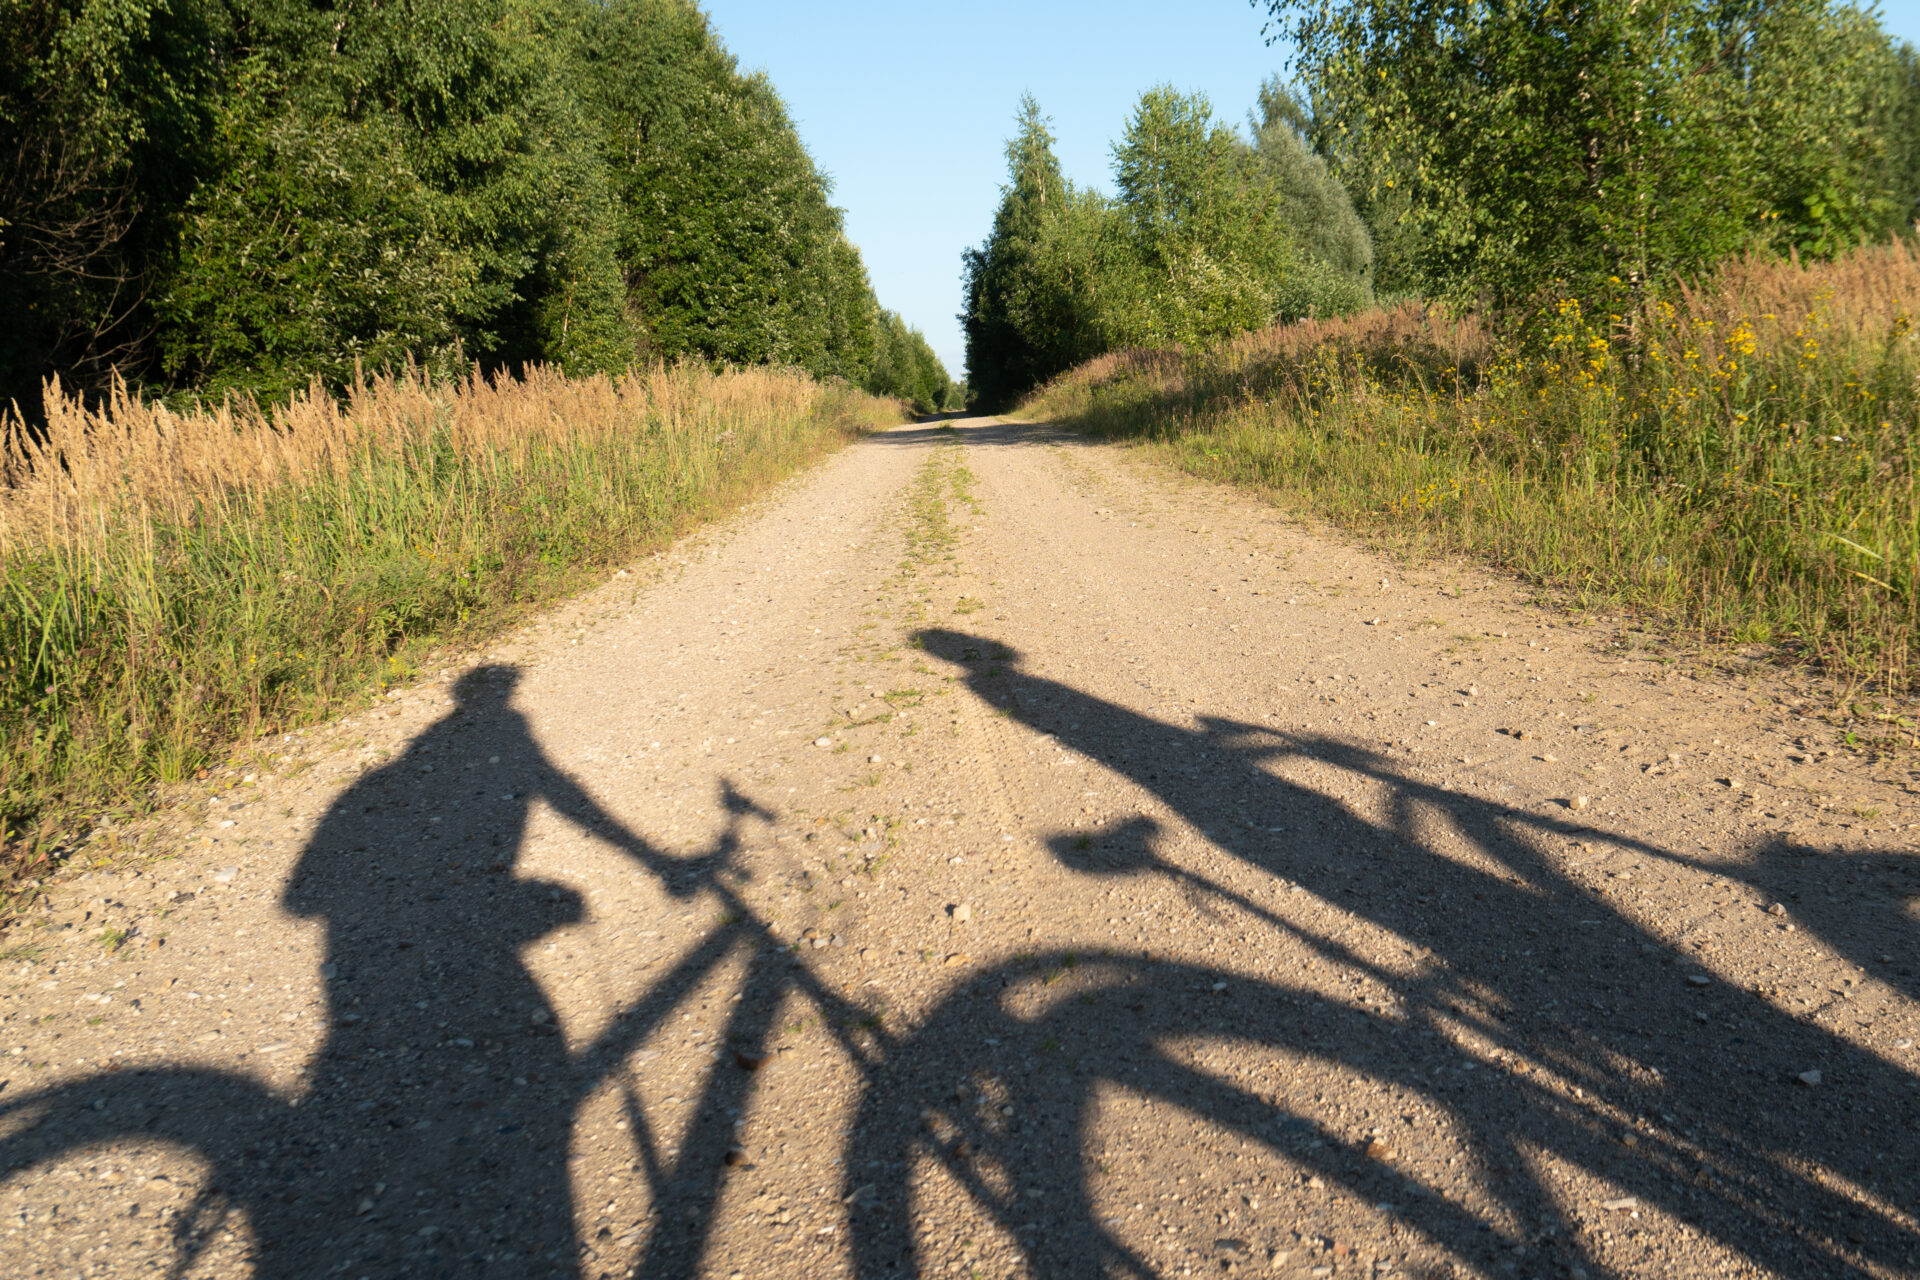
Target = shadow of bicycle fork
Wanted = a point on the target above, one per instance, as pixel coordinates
(1048, 1090)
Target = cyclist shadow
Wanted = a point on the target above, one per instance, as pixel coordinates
(1556, 1034)
(432, 1127)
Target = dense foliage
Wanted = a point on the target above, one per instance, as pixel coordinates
(1491, 153)
(905, 368)
(215, 194)
(1207, 236)
(1521, 152)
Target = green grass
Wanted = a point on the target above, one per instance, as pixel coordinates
(174, 585)
(1737, 464)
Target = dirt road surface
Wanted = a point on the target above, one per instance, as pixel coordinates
(990, 856)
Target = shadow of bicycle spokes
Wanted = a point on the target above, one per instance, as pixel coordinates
(432, 1130)
(1409, 1034)
(1431, 1040)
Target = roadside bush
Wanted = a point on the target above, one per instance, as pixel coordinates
(1740, 460)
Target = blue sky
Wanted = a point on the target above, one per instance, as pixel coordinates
(907, 106)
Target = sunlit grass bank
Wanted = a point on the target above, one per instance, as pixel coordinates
(1738, 461)
(177, 582)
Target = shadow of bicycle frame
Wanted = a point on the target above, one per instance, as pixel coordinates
(441, 1075)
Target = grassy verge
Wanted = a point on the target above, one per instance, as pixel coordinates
(171, 584)
(1738, 462)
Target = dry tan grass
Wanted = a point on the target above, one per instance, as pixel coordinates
(90, 467)
(171, 582)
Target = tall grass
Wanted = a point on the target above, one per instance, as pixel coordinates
(171, 583)
(1739, 459)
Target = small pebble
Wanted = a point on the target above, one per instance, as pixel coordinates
(823, 742)
(875, 760)
(1809, 1078)
(1777, 909)
(962, 913)
(1581, 802)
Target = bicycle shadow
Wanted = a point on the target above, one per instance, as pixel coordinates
(431, 1134)
(1872, 923)
(1521, 964)
(432, 1130)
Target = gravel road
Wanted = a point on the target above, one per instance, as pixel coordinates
(992, 856)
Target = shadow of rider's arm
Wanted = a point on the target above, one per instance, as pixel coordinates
(572, 801)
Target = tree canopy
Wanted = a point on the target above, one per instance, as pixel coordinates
(1522, 149)
(1208, 235)
(245, 194)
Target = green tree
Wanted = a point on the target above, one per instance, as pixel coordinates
(1830, 93)
(483, 97)
(314, 247)
(730, 245)
(245, 194)
(1902, 173)
(1377, 182)
(1317, 209)
(1589, 145)
(1026, 315)
(1206, 225)
(1207, 237)
(107, 115)
(905, 366)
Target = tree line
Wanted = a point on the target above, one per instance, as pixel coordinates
(216, 195)
(1495, 156)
